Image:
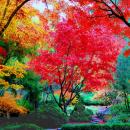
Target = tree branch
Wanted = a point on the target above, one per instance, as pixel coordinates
(12, 15)
(55, 97)
(79, 89)
(116, 12)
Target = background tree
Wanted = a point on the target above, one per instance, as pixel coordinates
(123, 75)
(13, 59)
(33, 89)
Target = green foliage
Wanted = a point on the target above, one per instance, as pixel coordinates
(32, 87)
(118, 109)
(96, 127)
(17, 52)
(80, 114)
(86, 96)
(25, 103)
(110, 97)
(122, 118)
(94, 102)
(87, 99)
(112, 94)
(31, 80)
(70, 109)
(123, 72)
(2, 44)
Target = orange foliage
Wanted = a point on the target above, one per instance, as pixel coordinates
(8, 105)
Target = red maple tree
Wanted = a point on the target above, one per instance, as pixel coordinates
(81, 58)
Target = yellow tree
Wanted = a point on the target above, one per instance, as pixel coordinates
(8, 9)
(16, 22)
(17, 69)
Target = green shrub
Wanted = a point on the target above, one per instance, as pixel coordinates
(80, 114)
(110, 97)
(87, 99)
(70, 109)
(96, 127)
(25, 103)
(118, 109)
(94, 102)
(123, 118)
(86, 95)
(33, 88)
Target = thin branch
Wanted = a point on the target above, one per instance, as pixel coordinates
(117, 8)
(64, 77)
(117, 13)
(73, 96)
(55, 97)
(71, 82)
(66, 66)
(59, 75)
